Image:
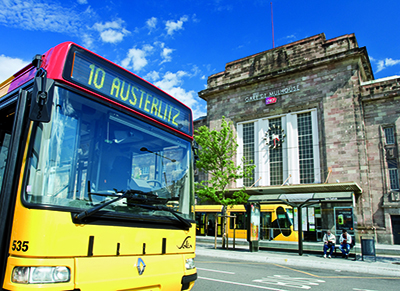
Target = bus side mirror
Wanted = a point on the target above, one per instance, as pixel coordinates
(42, 97)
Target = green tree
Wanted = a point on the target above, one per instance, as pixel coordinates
(216, 159)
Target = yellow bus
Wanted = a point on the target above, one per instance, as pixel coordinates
(96, 177)
(276, 222)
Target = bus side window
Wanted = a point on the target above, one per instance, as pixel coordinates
(6, 123)
(4, 145)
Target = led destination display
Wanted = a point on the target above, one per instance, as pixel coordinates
(129, 90)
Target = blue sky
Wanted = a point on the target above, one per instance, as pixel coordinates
(177, 44)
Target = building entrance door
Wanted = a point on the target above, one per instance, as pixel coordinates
(396, 229)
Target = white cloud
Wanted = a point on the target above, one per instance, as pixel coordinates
(390, 62)
(82, 2)
(196, 71)
(112, 31)
(34, 15)
(172, 26)
(152, 76)
(151, 24)
(87, 40)
(172, 82)
(9, 66)
(380, 65)
(136, 58)
(383, 64)
(166, 54)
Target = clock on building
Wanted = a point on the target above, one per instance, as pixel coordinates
(275, 136)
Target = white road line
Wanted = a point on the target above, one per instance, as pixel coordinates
(216, 271)
(240, 284)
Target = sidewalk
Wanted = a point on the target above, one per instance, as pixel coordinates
(384, 266)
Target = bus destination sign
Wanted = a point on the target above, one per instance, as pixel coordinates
(126, 89)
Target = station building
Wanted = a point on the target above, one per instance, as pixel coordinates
(312, 118)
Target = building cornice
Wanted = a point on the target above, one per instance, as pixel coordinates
(208, 93)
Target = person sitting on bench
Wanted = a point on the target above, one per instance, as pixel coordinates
(345, 243)
(329, 243)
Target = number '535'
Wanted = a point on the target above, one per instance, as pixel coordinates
(20, 245)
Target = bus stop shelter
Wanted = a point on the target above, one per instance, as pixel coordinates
(299, 196)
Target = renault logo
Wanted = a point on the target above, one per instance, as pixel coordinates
(140, 266)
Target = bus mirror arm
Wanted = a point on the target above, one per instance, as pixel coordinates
(195, 149)
(42, 97)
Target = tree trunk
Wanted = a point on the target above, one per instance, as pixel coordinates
(224, 229)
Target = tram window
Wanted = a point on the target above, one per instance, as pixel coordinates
(200, 217)
(266, 225)
(266, 219)
(240, 220)
(283, 218)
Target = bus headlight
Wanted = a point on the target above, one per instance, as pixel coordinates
(189, 264)
(41, 275)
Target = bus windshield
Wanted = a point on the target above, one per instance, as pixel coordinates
(89, 153)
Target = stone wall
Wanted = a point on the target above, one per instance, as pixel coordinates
(381, 106)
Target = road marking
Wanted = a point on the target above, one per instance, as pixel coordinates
(286, 281)
(356, 289)
(240, 284)
(285, 267)
(216, 271)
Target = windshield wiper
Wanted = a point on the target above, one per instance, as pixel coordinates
(128, 193)
(164, 208)
(133, 195)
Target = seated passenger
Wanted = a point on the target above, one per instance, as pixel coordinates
(345, 243)
(329, 243)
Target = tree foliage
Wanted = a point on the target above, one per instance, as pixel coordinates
(216, 159)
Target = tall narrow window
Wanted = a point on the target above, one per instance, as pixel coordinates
(275, 151)
(389, 135)
(393, 174)
(306, 154)
(248, 150)
(391, 159)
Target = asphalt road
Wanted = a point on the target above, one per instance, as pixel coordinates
(234, 275)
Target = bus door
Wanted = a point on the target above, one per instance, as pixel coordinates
(12, 117)
(266, 226)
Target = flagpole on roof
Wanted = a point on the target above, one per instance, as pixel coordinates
(272, 22)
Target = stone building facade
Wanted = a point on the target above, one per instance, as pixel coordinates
(311, 112)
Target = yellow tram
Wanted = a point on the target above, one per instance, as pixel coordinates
(276, 221)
